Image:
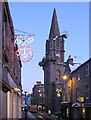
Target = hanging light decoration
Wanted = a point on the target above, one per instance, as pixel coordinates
(24, 53)
(21, 38)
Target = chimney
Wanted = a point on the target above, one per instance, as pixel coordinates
(70, 60)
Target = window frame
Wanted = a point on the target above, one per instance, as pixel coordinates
(77, 93)
(87, 70)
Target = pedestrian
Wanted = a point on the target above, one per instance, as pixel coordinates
(58, 115)
(49, 112)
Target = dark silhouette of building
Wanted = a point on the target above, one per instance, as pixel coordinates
(38, 94)
(10, 67)
(53, 66)
(77, 90)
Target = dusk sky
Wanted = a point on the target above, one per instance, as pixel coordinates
(35, 18)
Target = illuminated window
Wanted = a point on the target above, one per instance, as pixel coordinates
(87, 70)
(40, 95)
(78, 75)
(38, 90)
(77, 94)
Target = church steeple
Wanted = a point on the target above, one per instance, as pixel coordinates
(55, 43)
(54, 31)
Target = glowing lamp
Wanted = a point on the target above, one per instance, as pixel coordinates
(64, 77)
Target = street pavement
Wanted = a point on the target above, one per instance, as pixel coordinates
(39, 116)
(29, 116)
(53, 117)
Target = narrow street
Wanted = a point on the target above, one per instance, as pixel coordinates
(45, 71)
(40, 116)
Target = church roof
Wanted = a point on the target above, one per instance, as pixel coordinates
(54, 31)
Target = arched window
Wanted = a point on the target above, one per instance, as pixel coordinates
(58, 75)
(57, 43)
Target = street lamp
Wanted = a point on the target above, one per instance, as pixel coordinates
(65, 77)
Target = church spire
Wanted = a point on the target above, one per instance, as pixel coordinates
(54, 31)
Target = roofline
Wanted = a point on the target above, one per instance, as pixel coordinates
(81, 65)
(9, 15)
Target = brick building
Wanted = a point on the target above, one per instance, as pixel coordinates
(38, 94)
(77, 91)
(53, 66)
(10, 67)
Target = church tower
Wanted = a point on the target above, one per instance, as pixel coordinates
(53, 66)
(55, 44)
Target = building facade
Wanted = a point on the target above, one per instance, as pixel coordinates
(38, 95)
(53, 66)
(77, 91)
(10, 67)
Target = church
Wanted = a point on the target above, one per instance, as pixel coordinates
(53, 66)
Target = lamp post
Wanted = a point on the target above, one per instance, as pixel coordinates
(25, 107)
(65, 77)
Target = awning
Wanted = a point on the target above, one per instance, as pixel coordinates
(76, 105)
(65, 102)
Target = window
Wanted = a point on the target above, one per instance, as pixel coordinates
(64, 85)
(69, 84)
(39, 90)
(57, 43)
(68, 97)
(87, 70)
(63, 98)
(86, 91)
(58, 75)
(53, 44)
(77, 94)
(78, 75)
(50, 43)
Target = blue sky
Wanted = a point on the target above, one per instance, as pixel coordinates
(35, 18)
